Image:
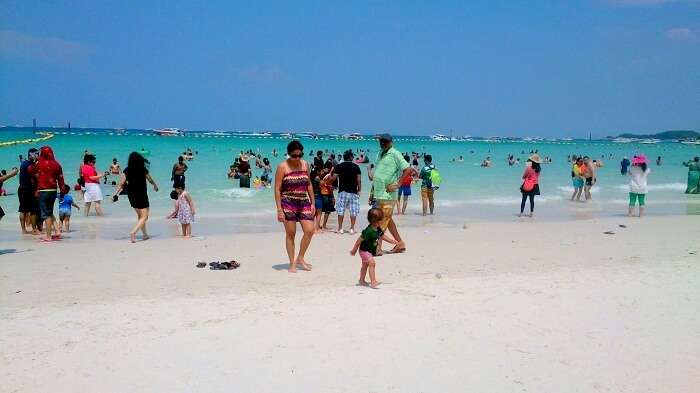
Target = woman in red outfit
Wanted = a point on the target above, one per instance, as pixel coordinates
(49, 176)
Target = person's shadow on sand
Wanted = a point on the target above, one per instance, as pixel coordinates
(281, 266)
(11, 251)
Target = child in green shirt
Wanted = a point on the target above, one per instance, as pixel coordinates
(369, 246)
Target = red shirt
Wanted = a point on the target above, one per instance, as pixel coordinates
(87, 172)
(406, 180)
(531, 174)
(48, 171)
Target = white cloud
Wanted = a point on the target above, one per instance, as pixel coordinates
(680, 34)
(17, 45)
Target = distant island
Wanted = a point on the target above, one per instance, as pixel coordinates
(675, 134)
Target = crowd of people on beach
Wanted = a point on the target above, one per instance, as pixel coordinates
(305, 193)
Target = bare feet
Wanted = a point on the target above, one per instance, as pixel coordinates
(292, 269)
(304, 265)
(363, 283)
(375, 285)
(145, 237)
(133, 237)
(399, 248)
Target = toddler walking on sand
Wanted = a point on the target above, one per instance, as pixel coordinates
(368, 244)
(184, 209)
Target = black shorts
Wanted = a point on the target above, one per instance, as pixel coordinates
(589, 181)
(28, 203)
(2, 213)
(327, 203)
(46, 201)
(179, 180)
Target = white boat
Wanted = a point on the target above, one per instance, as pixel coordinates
(439, 137)
(168, 132)
(622, 140)
(287, 135)
(308, 135)
(697, 142)
(353, 137)
(650, 141)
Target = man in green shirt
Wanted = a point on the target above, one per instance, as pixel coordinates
(390, 167)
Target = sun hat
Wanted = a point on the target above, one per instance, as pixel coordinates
(535, 158)
(639, 160)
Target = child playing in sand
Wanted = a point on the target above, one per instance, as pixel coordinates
(184, 209)
(369, 245)
(64, 209)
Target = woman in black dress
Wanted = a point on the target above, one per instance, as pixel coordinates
(134, 180)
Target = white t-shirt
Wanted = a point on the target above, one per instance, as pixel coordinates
(638, 180)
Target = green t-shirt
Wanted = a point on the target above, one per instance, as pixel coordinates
(390, 165)
(425, 175)
(370, 238)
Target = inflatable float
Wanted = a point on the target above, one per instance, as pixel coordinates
(44, 136)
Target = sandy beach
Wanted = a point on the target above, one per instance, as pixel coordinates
(497, 307)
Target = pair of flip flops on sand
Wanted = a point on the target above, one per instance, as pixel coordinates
(220, 265)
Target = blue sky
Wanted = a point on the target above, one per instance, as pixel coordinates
(411, 67)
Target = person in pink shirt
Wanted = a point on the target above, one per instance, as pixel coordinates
(531, 183)
(91, 177)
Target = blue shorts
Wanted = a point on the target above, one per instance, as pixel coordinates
(318, 203)
(405, 190)
(577, 182)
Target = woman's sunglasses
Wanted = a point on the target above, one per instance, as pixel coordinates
(297, 155)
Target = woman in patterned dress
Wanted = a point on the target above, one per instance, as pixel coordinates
(294, 195)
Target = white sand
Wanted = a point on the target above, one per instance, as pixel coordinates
(503, 307)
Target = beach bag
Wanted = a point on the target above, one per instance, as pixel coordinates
(528, 185)
(435, 178)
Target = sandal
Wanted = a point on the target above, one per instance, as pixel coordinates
(201, 264)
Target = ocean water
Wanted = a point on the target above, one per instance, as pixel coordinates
(469, 192)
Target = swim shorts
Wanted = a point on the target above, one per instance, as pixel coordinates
(46, 201)
(387, 207)
(349, 200)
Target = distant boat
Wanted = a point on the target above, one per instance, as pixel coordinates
(353, 136)
(168, 132)
(650, 141)
(622, 140)
(691, 142)
(287, 135)
(308, 135)
(439, 137)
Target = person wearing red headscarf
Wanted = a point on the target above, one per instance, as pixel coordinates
(49, 176)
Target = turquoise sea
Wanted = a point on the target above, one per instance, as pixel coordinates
(469, 192)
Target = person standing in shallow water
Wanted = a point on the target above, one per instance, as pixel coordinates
(693, 176)
(531, 183)
(294, 196)
(178, 175)
(135, 177)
